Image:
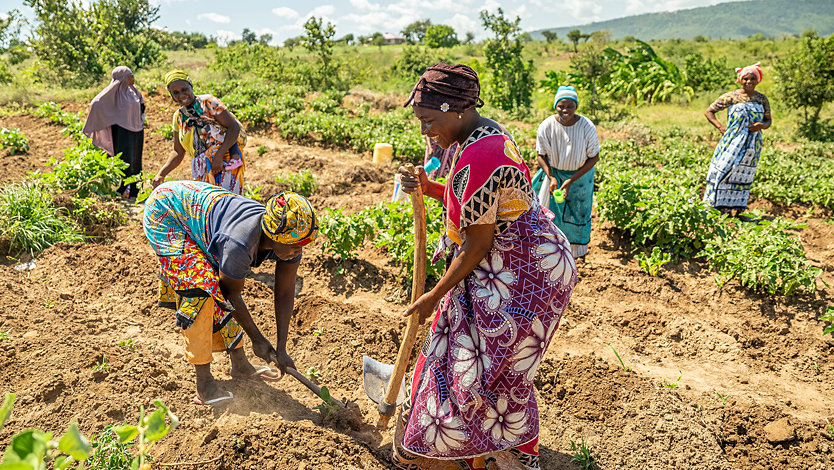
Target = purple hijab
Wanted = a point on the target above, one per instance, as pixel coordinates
(120, 103)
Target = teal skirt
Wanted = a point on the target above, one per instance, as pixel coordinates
(573, 216)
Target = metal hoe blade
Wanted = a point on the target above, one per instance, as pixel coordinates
(375, 377)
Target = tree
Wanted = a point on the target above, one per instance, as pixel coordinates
(248, 36)
(805, 79)
(265, 39)
(574, 36)
(470, 36)
(440, 35)
(594, 67)
(550, 36)
(347, 39)
(81, 45)
(510, 78)
(291, 43)
(377, 40)
(319, 40)
(415, 32)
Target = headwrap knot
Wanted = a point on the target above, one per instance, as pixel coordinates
(447, 88)
(755, 69)
(290, 219)
(175, 75)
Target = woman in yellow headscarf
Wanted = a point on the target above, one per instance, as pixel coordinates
(207, 239)
(208, 132)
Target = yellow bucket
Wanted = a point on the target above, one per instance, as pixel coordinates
(383, 153)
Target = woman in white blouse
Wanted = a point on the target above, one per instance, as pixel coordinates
(568, 148)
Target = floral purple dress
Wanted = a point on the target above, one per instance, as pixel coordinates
(472, 390)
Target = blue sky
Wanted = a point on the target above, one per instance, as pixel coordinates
(284, 19)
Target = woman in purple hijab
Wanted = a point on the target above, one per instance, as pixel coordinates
(116, 123)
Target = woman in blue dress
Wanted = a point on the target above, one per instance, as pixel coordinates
(734, 162)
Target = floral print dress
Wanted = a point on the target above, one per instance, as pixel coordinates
(472, 389)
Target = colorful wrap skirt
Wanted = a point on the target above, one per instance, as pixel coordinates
(174, 223)
(573, 215)
(473, 393)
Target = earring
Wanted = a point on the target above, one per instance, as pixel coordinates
(459, 117)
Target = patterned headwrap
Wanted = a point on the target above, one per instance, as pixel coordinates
(447, 88)
(175, 75)
(566, 92)
(290, 219)
(755, 69)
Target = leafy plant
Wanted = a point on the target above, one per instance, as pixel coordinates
(5, 334)
(766, 256)
(108, 453)
(581, 455)
(166, 131)
(127, 344)
(318, 332)
(674, 384)
(87, 170)
(303, 182)
(103, 365)
(509, 83)
(151, 428)
(14, 140)
(343, 233)
(313, 373)
(829, 317)
(262, 150)
(252, 193)
(327, 406)
(652, 264)
(723, 398)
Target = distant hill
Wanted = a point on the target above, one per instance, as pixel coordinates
(733, 20)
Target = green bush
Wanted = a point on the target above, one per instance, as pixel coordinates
(29, 220)
(86, 170)
(303, 182)
(766, 256)
(14, 140)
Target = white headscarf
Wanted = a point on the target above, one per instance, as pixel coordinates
(120, 104)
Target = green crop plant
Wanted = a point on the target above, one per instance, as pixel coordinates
(344, 234)
(14, 140)
(34, 449)
(166, 131)
(4, 335)
(87, 170)
(262, 150)
(767, 256)
(303, 182)
(675, 384)
(827, 316)
(318, 332)
(327, 406)
(652, 264)
(103, 365)
(622, 364)
(252, 192)
(581, 455)
(723, 398)
(127, 344)
(313, 373)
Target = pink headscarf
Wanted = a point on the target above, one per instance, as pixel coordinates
(755, 69)
(120, 104)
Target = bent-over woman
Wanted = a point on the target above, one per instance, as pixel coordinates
(509, 276)
(208, 132)
(567, 146)
(734, 161)
(207, 239)
(116, 124)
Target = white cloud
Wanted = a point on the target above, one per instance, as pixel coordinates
(464, 24)
(285, 12)
(634, 6)
(215, 17)
(322, 10)
(3, 16)
(224, 36)
(364, 5)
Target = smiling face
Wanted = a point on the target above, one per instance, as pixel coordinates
(566, 108)
(443, 128)
(182, 92)
(749, 82)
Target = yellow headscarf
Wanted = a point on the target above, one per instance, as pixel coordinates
(175, 75)
(290, 219)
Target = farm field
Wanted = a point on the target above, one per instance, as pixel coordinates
(703, 376)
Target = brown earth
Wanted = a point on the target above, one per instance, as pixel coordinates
(710, 373)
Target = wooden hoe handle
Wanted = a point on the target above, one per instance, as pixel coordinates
(418, 284)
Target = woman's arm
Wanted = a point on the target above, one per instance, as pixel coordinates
(589, 163)
(284, 291)
(227, 120)
(759, 126)
(173, 162)
(477, 245)
(233, 289)
(710, 114)
(542, 160)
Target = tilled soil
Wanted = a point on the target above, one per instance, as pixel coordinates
(709, 377)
